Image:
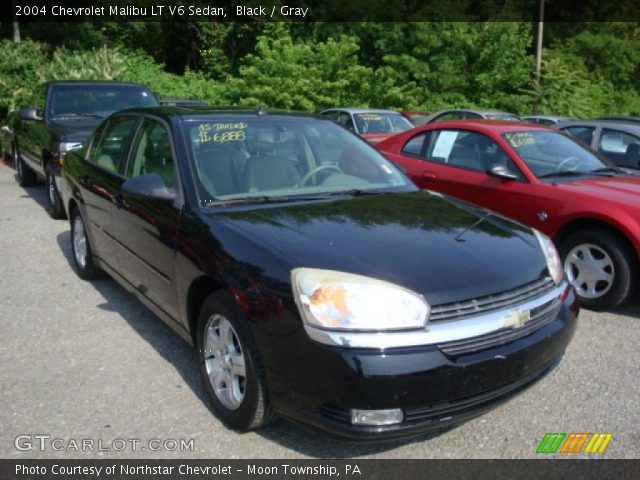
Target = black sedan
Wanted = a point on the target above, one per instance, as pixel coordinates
(314, 279)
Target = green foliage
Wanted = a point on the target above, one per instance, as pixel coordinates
(567, 88)
(97, 64)
(589, 69)
(18, 66)
(462, 64)
(302, 76)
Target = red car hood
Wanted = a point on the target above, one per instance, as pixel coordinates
(374, 138)
(618, 189)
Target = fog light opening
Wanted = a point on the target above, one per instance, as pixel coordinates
(376, 417)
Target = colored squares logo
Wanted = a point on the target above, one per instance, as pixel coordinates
(574, 443)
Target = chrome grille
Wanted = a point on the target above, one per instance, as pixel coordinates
(499, 301)
(540, 316)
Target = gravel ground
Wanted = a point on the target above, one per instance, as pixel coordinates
(87, 361)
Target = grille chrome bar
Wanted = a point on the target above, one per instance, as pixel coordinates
(503, 300)
(539, 317)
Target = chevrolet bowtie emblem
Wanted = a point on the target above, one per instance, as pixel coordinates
(517, 319)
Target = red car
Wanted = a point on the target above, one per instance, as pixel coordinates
(544, 179)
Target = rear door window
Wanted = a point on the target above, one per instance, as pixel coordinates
(620, 147)
(581, 133)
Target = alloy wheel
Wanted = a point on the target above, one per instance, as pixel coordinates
(53, 196)
(79, 242)
(18, 163)
(590, 270)
(224, 362)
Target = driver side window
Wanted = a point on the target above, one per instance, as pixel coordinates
(468, 150)
(109, 148)
(152, 153)
(345, 120)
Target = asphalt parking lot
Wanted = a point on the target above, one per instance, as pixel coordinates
(87, 361)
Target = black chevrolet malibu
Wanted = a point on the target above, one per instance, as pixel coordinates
(315, 281)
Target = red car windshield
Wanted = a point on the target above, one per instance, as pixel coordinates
(549, 154)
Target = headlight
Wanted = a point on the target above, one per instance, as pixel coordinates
(551, 255)
(333, 300)
(65, 147)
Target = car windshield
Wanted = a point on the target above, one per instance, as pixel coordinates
(263, 158)
(507, 117)
(381, 123)
(419, 118)
(549, 153)
(85, 100)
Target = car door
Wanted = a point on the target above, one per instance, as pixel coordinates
(34, 136)
(455, 162)
(101, 178)
(622, 148)
(146, 229)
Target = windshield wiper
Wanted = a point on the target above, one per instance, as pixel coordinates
(607, 171)
(357, 192)
(262, 199)
(564, 173)
(78, 115)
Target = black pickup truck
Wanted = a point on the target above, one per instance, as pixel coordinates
(61, 117)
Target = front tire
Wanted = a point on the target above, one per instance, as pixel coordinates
(230, 367)
(56, 209)
(601, 266)
(81, 249)
(26, 176)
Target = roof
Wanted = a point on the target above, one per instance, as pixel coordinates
(362, 110)
(624, 126)
(181, 101)
(93, 82)
(548, 117)
(494, 126)
(622, 118)
(169, 111)
(474, 110)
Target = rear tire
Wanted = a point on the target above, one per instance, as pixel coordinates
(56, 210)
(230, 366)
(81, 249)
(26, 176)
(601, 266)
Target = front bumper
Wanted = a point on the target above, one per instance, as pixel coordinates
(318, 385)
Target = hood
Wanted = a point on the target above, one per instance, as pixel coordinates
(425, 242)
(74, 130)
(621, 189)
(374, 138)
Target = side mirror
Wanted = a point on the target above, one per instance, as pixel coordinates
(28, 114)
(149, 185)
(500, 171)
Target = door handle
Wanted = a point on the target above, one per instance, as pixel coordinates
(427, 174)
